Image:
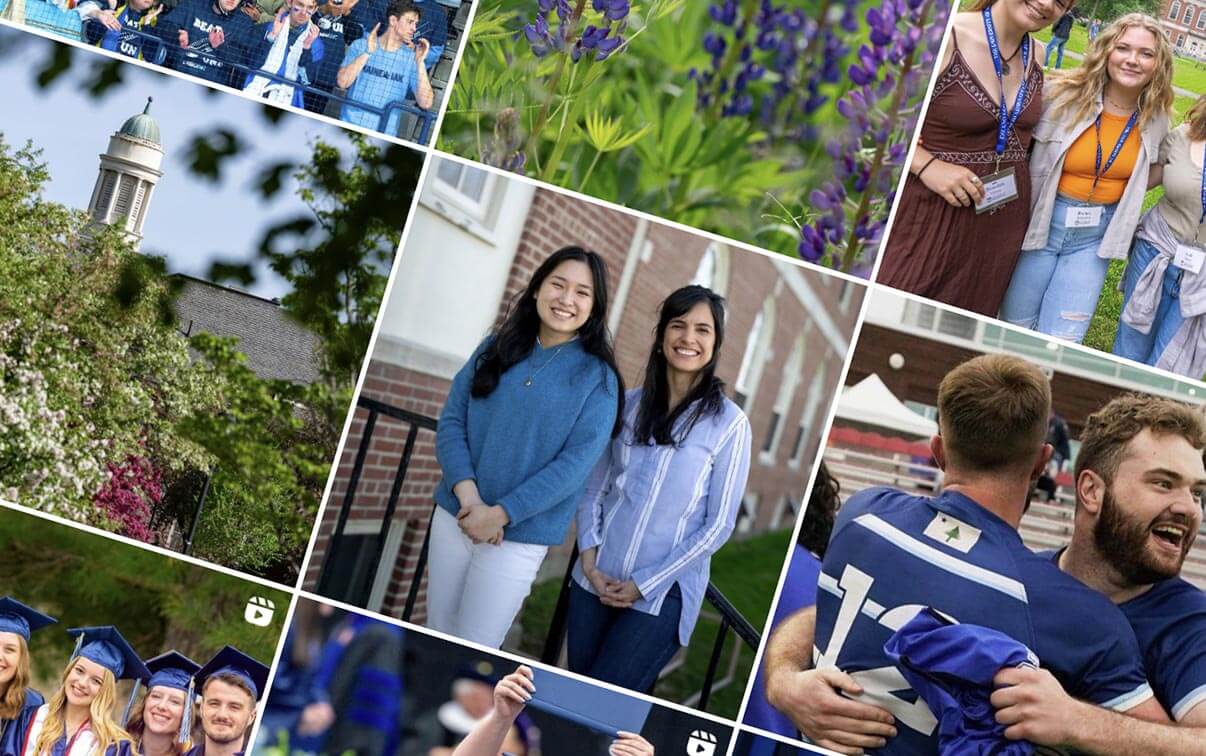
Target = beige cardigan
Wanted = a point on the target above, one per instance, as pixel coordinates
(1050, 146)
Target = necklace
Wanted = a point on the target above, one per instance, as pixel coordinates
(532, 376)
(1120, 107)
(1005, 63)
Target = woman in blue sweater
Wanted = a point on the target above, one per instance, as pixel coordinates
(660, 502)
(526, 419)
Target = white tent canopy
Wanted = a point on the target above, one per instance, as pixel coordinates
(869, 401)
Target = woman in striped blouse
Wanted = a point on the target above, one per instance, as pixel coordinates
(663, 498)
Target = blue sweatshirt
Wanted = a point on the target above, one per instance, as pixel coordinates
(530, 448)
(198, 17)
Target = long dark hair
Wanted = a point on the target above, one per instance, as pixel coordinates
(655, 418)
(514, 339)
(820, 512)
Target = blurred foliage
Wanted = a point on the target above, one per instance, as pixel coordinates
(158, 604)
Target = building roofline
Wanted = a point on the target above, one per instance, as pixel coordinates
(270, 300)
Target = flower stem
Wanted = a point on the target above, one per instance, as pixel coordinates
(854, 244)
(590, 170)
(553, 84)
(731, 57)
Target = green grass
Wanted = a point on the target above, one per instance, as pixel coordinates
(745, 572)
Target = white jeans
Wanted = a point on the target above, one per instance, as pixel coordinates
(474, 591)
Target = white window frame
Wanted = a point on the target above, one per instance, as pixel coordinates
(812, 402)
(477, 217)
(757, 352)
(792, 377)
(1188, 16)
(750, 505)
(1174, 10)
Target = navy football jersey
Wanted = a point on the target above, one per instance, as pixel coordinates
(893, 554)
(1170, 623)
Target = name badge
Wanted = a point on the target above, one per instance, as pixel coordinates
(999, 188)
(1189, 258)
(1083, 217)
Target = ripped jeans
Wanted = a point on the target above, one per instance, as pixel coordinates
(1055, 289)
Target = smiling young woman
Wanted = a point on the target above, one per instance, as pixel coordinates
(1093, 159)
(162, 722)
(662, 499)
(526, 419)
(18, 702)
(973, 146)
(78, 719)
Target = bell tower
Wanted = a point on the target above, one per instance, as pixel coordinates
(129, 170)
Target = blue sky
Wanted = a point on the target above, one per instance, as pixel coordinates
(190, 221)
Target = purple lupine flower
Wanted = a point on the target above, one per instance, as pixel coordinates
(880, 113)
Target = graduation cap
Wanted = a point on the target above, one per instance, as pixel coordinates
(171, 670)
(105, 646)
(232, 661)
(18, 618)
(597, 708)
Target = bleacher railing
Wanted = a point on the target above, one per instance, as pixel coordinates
(731, 620)
(64, 24)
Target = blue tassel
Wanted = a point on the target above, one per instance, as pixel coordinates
(186, 719)
(125, 718)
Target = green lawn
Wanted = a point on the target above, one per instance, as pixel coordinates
(1187, 73)
(745, 571)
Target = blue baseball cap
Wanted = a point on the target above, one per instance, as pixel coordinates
(232, 661)
(105, 646)
(18, 618)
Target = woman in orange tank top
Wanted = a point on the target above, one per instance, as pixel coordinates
(1093, 158)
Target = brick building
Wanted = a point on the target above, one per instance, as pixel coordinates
(1185, 22)
(476, 239)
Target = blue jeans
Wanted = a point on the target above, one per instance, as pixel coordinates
(1055, 43)
(1147, 347)
(621, 646)
(1055, 289)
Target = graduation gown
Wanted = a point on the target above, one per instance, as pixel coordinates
(81, 743)
(12, 731)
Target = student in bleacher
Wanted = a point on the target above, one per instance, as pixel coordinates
(337, 29)
(384, 67)
(205, 37)
(110, 31)
(286, 48)
(433, 23)
(662, 499)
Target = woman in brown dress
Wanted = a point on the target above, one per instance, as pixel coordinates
(939, 246)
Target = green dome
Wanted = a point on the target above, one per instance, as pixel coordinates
(142, 126)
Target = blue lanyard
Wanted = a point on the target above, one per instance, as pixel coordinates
(1007, 118)
(1098, 171)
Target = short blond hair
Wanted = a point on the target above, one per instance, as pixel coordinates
(993, 412)
(1111, 428)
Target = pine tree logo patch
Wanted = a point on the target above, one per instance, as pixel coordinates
(952, 532)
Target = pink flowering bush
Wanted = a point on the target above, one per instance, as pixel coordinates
(133, 488)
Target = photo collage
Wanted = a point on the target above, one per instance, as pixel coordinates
(602, 377)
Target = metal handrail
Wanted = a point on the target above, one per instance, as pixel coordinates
(732, 621)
